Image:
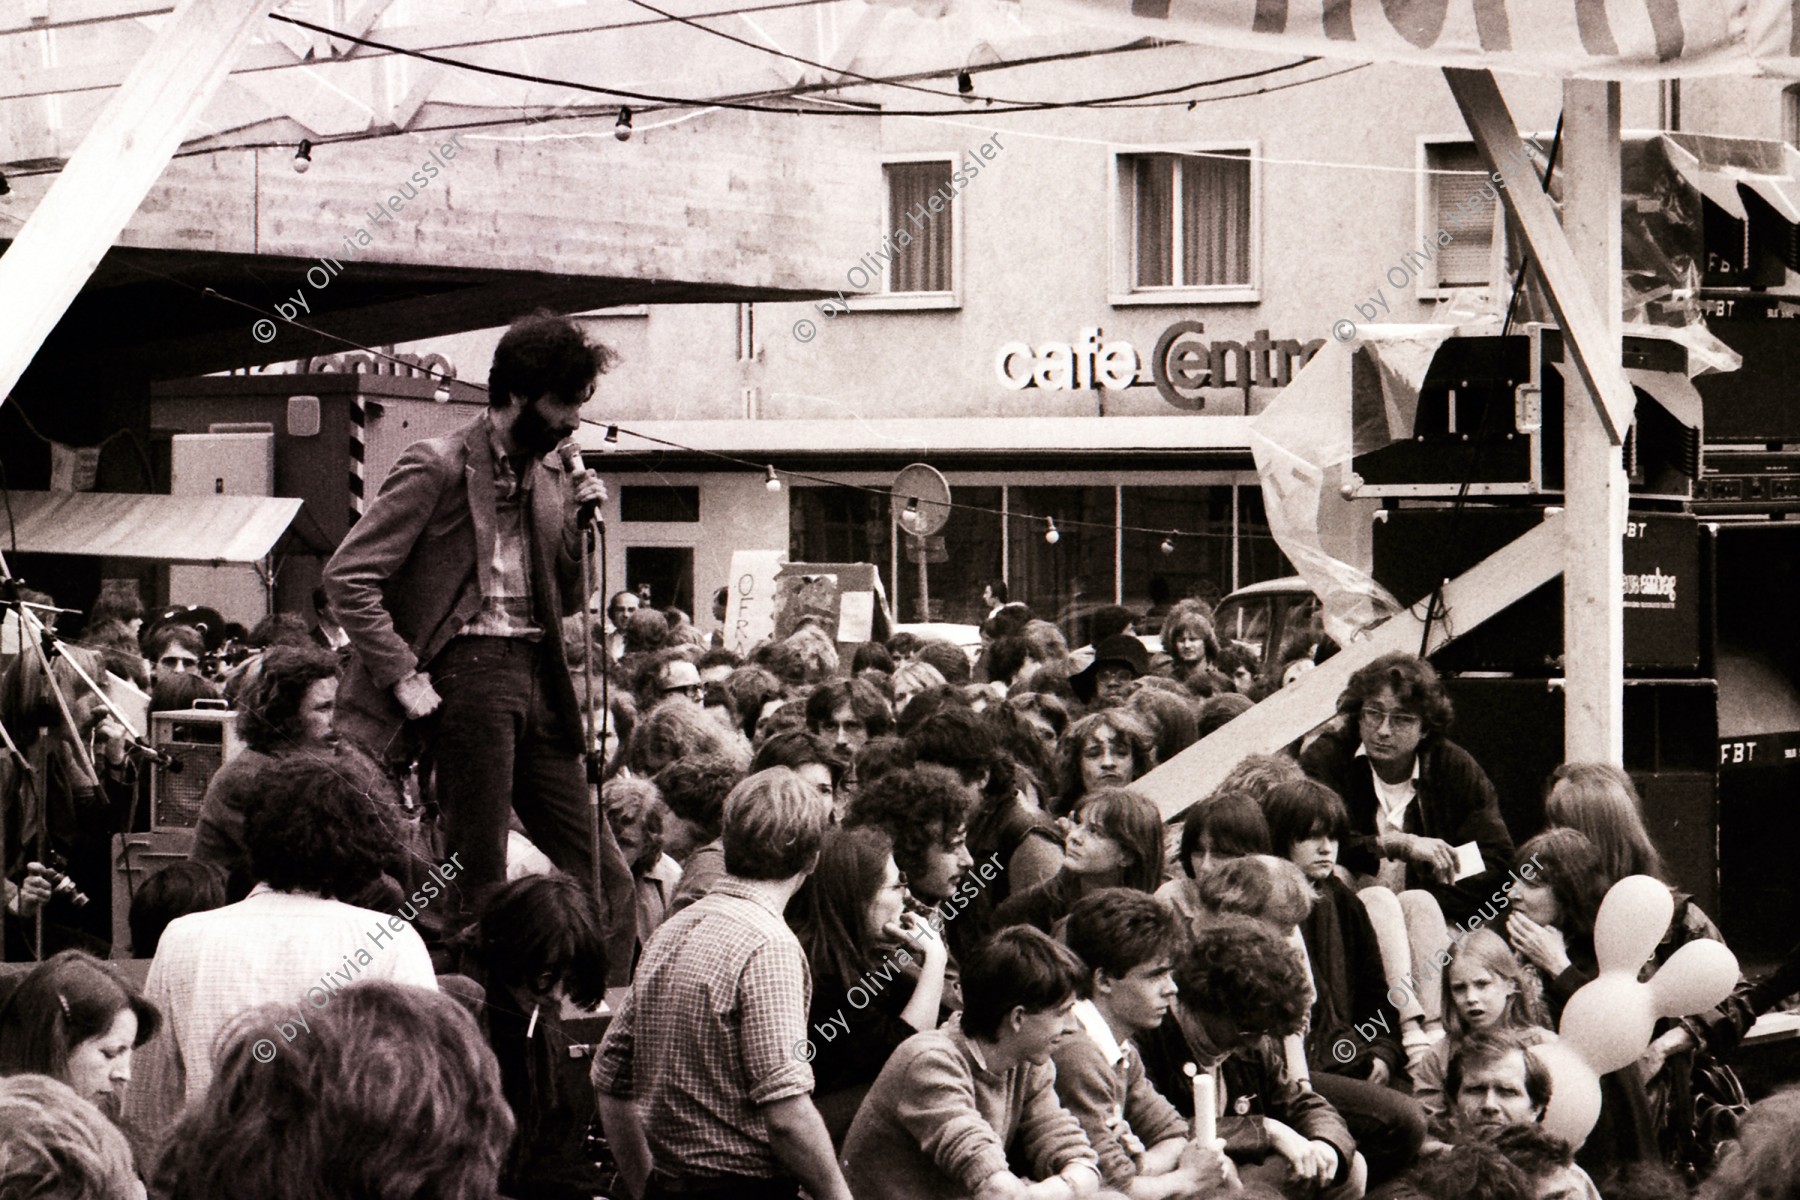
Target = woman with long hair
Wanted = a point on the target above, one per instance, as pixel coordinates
(1116, 841)
(74, 1020)
(1108, 749)
(877, 968)
(1551, 926)
(1599, 801)
(1486, 989)
(1192, 645)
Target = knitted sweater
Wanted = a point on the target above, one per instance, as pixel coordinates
(937, 1124)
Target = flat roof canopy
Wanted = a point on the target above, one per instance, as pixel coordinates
(179, 529)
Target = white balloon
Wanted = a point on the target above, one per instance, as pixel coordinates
(1574, 1092)
(1696, 977)
(1632, 920)
(1609, 1021)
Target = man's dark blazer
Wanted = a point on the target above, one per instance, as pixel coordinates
(406, 580)
(1454, 802)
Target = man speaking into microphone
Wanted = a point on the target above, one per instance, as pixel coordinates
(452, 587)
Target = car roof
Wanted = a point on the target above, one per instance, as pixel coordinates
(1290, 585)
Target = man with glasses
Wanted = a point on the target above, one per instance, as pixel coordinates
(1414, 796)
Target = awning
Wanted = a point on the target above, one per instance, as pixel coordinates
(179, 529)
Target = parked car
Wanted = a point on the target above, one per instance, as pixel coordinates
(1263, 616)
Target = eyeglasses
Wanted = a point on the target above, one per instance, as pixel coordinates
(1401, 722)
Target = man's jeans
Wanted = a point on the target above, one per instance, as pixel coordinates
(497, 749)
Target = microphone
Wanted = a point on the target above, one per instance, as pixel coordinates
(166, 761)
(571, 461)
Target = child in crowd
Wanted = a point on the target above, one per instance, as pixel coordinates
(1486, 989)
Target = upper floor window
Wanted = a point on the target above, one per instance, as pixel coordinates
(1458, 204)
(921, 203)
(1190, 219)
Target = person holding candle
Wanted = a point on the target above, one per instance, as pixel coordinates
(1127, 941)
(1240, 988)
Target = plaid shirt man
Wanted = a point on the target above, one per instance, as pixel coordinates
(720, 1001)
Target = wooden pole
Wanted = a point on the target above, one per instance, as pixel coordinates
(130, 143)
(1595, 487)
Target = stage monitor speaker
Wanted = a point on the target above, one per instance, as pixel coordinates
(1514, 729)
(136, 857)
(202, 740)
(1416, 548)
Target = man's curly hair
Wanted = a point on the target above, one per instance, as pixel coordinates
(919, 807)
(1240, 969)
(316, 824)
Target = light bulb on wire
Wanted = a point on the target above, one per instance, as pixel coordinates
(769, 480)
(1168, 545)
(1050, 533)
(622, 127)
(442, 394)
(909, 520)
(303, 157)
(612, 435)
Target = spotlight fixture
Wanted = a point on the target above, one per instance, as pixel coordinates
(612, 434)
(303, 156)
(1050, 533)
(622, 127)
(1168, 545)
(442, 395)
(964, 84)
(769, 480)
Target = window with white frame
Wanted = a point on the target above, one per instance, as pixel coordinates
(1190, 219)
(1456, 176)
(925, 263)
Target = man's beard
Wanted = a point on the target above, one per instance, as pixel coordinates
(533, 435)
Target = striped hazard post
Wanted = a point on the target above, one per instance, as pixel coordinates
(359, 436)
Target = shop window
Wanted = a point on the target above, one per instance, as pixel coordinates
(839, 525)
(1067, 581)
(1464, 261)
(1189, 219)
(1198, 564)
(668, 571)
(960, 560)
(1259, 558)
(924, 264)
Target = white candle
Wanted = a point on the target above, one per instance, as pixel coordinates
(1206, 1105)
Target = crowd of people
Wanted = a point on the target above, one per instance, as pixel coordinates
(883, 921)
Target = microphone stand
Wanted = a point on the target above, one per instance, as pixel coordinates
(28, 785)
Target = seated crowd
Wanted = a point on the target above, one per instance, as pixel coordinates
(889, 924)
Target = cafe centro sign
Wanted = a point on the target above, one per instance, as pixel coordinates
(1182, 365)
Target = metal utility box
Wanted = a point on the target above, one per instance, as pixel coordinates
(223, 464)
(335, 437)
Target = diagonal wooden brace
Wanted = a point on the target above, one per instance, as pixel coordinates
(1583, 325)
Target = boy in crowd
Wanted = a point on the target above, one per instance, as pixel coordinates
(1127, 940)
(955, 1106)
(1240, 990)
